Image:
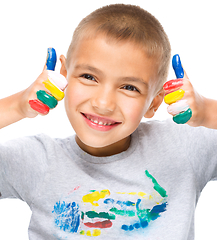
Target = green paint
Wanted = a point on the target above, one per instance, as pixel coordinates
(82, 232)
(143, 214)
(82, 215)
(47, 99)
(92, 214)
(127, 213)
(183, 117)
(157, 187)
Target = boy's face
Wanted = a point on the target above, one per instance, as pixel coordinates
(111, 86)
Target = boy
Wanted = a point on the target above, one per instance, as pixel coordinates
(117, 178)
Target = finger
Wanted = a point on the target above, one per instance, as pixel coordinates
(47, 99)
(56, 84)
(172, 85)
(51, 59)
(174, 96)
(177, 107)
(177, 66)
(39, 106)
(183, 117)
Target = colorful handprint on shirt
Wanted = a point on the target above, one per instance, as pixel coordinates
(109, 211)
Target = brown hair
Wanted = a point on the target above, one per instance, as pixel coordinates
(127, 22)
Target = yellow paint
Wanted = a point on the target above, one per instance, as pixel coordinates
(174, 96)
(150, 197)
(55, 91)
(141, 194)
(88, 233)
(96, 232)
(95, 197)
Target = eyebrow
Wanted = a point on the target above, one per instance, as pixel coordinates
(138, 80)
(88, 67)
(129, 79)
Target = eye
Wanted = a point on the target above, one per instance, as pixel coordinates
(130, 88)
(88, 76)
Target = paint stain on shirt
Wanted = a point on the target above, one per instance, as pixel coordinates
(127, 215)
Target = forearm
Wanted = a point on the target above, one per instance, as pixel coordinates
(210, 120)
(9, 110)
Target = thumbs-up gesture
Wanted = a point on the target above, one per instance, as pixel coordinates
(46, 91)
(185, 104)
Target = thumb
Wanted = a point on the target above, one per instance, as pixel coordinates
(51, 59)
(177, 66)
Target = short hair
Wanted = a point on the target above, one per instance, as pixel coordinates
(122, 22)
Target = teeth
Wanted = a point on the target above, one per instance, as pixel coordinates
(97, 122)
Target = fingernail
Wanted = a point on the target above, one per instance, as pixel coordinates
(51, 59)
(174, 96)
(183, 117)
(177, 66)
(58, 79)
(47, 99)
(39, 106)
(178, 107)
(172, 85)
(55, 91)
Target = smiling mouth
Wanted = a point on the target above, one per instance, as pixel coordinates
(99, 120)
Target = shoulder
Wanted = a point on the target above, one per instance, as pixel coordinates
(38, 146)
(167, 130)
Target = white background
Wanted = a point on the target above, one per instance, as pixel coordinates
(29, 27)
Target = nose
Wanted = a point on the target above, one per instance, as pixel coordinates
(104, 101)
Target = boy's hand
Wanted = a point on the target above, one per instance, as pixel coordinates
(45, 92)
(185, 104)
(40, 97)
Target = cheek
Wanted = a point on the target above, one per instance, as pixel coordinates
(133, 111)
(74, 96)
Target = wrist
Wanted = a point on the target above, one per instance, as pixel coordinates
(11, 109)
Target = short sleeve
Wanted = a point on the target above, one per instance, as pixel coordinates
(22, 167)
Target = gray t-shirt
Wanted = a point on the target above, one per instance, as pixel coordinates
(148, 192)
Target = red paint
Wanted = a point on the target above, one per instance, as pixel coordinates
(172, 85)
(76, 188)
(39, 106)
(98, 127)
(104, 224)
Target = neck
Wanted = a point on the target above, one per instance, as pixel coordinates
(106, 151)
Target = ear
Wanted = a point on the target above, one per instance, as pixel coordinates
(63, 69)
(155, 104)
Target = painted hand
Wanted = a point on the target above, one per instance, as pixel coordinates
(185, 104)
(51, 85)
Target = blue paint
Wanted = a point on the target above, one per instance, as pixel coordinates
(137, 203)
(121, 203)
(125, 203)
(177, 66)
(159, 208)
(51, 59)
(137, 225)
(144, 224)
(67, 216)
(131, 228)
(145, 216)
(125, 227)
(109, 201)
